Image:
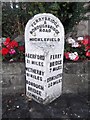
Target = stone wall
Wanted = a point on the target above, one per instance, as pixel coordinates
(75, 77)
(13, 77)
(83, 27)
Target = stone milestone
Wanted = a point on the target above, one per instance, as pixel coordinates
(44, 48)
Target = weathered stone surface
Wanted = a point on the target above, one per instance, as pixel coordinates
(13, 68)
(10, 80)
(82, 28)
(88, 67)
(44, 38)
(0, 67)
(13, 89)
(76, 78)
(73, 83)
(0, 113)
(76, 68)
(20, 38)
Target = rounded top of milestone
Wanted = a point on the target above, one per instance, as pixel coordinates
(45, 29)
